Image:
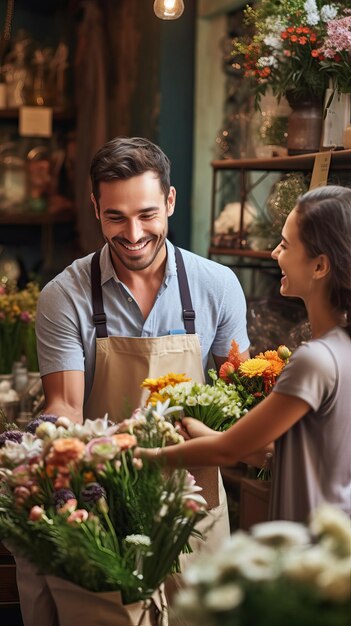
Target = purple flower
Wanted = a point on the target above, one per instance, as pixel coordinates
(93, 492)
(61, 496)
(25, 317)
(33, 425)
(11, 435)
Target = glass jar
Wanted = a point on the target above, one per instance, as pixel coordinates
(12, 178)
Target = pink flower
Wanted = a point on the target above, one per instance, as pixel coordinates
(69, 507)
(36, 513)
(78, 516)
(102, 449)
(25, 317)
(22, 493)
(192, 506)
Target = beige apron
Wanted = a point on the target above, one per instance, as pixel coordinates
(122, 363)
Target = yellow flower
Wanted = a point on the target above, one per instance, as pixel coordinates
(156, 397)
(253, 367)
(155, 384)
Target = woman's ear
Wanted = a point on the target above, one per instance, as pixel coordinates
(322, 267)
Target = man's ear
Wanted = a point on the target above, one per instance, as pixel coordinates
(96, 208)
(171, 201)
(322, 266)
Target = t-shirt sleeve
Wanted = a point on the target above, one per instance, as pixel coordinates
(58, 335)
(310, 375)
(232, 322)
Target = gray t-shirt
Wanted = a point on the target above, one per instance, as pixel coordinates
(65, 331)
(313, 458)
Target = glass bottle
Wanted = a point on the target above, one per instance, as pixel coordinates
(17, 75)
(12, 178)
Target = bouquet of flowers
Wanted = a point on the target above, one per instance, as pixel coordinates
(239, 387)
(76, 504)
(17, 326)
(298, 46)
(217, 405)
(280, 573)
(255, 377)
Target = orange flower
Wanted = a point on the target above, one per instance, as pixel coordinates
(274, 367)
(63, 451)
(233, 355)
(125, 440)
(269, 355)
(226, 370)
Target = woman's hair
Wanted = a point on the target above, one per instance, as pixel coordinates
(324, 221)
(125, 157)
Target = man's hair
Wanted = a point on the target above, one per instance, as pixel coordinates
(124, 157)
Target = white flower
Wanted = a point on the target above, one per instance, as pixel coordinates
(224, 598)
(334, 527)
(273, 42)
(188, 602)
(29, 448)
(98, 428)
(63, 421)
(281, 533)
(204, 571)
(269, 61)
(328, 12)
(45, 430)
(191, 401)
(312, 15)
(306, 565)
(162, 408)
(335, 581)
(138, 540)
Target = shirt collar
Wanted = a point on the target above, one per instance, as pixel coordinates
(108, 271)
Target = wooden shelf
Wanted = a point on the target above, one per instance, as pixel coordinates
(40, 219)
(59, 115)
(340, 159)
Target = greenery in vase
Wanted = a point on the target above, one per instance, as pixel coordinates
(17, 326)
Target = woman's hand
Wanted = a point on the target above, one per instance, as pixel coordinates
(190, 428)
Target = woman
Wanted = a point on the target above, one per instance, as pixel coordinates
(308, 414)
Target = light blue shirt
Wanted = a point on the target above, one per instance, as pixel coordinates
(65, 330)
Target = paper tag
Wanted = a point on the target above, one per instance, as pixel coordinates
(320, 169)
(35, 122)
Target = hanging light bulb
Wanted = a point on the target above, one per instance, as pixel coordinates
(168, 9)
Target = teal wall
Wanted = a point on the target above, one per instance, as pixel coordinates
(177, 112)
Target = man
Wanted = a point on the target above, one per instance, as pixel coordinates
(133, 311)
(137, 314)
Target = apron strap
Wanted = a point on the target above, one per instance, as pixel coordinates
(99, 317)
(188, 311)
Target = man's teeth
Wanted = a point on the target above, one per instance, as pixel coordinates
(136, 247)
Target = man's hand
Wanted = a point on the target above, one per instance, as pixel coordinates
(191, 428)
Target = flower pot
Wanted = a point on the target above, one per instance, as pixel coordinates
(76, 605)
(304, 126)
